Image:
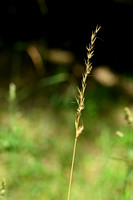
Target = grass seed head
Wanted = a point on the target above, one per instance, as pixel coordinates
(128, 116)
(80, 100)
(12, 92)
(80, 130)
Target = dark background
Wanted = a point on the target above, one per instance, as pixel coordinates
(68, 24)
(42, 52)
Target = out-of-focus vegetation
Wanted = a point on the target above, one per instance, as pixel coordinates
(36, 142)
(41, 63)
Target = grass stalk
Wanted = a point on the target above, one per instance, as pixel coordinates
(71, 172)
(80, 100)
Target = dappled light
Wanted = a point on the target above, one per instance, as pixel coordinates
(66, 97)
(36, 58)
(105, 77)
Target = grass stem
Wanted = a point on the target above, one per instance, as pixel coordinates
(80, 100)
(71, 172)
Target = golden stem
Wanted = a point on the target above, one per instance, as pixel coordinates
(71, 172)
(80, 101)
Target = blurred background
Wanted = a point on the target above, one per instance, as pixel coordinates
(42, 52)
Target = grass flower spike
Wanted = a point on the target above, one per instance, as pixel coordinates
(80, 99)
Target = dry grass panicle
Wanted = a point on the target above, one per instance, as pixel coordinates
(80, 100)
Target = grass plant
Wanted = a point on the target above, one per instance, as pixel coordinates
(80, 100)
(35, 157)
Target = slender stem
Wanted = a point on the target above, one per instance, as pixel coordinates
(71, 172)
(80, 101)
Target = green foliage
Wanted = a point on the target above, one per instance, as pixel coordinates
(36, 145)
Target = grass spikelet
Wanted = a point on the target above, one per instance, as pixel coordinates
(80, 99)
(88, 64)
(128, 116)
